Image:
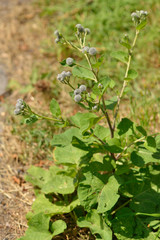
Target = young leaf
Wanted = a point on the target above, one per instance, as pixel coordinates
(58, 227)
(121, 56)
(132, 74)
(96, 224)
(98, 63)
(54, 108)
(109, 195)
(106, 82)
(141, 25)
(125, 44)
(31, 119)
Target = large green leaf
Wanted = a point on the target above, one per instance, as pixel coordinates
(90, 184)
(37, 176)
(108, 195)
(82, 73)
(128, 227)
(85, 121)
(96, 224)
(69, 155)
(42, 204)
(38, 228)
(58, 227)
(101, 132)
(54, 108)
(143, 204)
(143, 156)
(65, 138)
(59, 184)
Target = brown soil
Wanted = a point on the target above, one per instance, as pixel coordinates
(21, 35)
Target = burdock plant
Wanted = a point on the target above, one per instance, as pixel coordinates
(106, 170)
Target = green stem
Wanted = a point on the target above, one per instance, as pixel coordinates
(107, 117)
(138, 140)
(90, 65)
(47, 118)
(123, 205)
(125, 81)
(70, 85)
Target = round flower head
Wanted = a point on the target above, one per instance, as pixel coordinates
(80, 28)
(143, 13)
(68, 74)
(19, 106)
(59, 77)
(77, 98)
(57, 40)
(17, 111)
(77, 91)
(69, 61)
(92, 51)
(82, 88)
(56, 33)
(135, 16)
(85, 49)
(20, 100)
(87, 31)
(63, 74)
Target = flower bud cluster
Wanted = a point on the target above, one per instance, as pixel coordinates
(138, 16)
(81, 29)
(19, 107)
(78, 92)
(90, 50)
(58, 35)
(64, 76)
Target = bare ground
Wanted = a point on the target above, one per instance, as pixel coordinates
(21, 34)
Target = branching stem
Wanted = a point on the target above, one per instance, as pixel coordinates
(125, 81)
